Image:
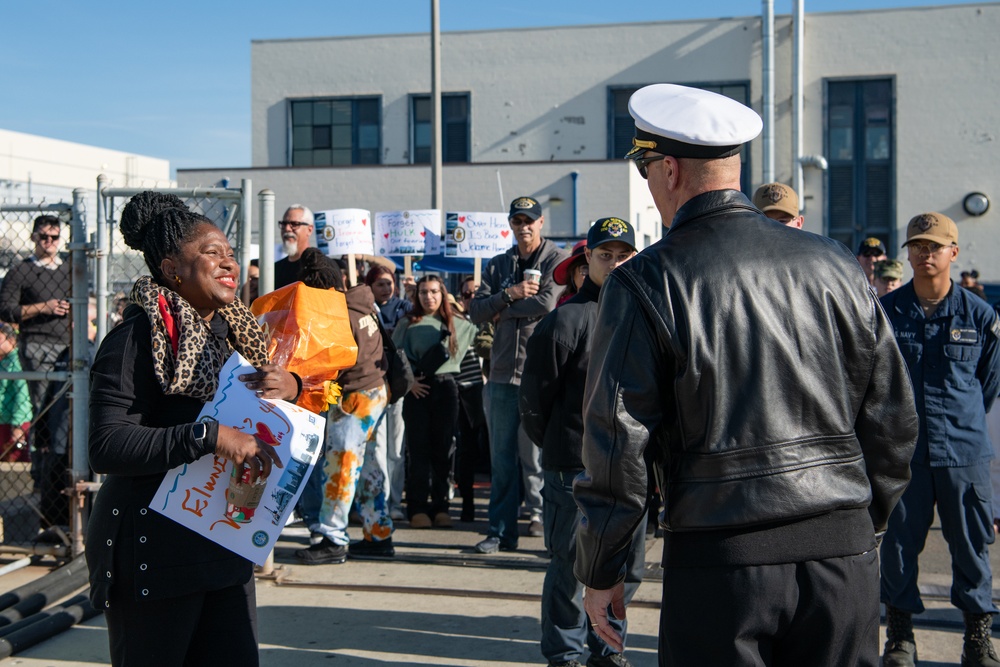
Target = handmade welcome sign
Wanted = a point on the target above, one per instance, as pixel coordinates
(408, 232)
(219, 502)
(477, 234)
(344, 231)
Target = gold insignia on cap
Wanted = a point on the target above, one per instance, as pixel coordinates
(525, 202)
(871, 242)
(774, 193)
(614, 226)
(924, 222)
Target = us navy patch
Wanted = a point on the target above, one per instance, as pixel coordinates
(996, 327)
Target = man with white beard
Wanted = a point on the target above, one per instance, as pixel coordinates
(296, 229)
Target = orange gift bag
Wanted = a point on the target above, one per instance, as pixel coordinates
(309, 333)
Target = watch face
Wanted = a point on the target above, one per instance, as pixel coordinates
(200, 431)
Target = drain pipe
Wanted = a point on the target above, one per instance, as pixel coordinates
(798, 27)
(575, 175)
(767, 36)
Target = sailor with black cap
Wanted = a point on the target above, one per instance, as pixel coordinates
(767, 388)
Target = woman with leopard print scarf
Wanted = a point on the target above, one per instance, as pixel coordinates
(154, 578)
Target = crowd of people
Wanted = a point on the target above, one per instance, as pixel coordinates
(799, 413)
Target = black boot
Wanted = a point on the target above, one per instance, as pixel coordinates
(978, 649)
(900, 646)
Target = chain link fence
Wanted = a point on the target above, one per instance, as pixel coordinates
(36, 311)
(57, 301)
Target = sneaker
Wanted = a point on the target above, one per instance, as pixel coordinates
(566, 663)
(420, 520)
(372, 549)
(315, 538)
(610, 660)
(397, 514)
(491, 545)
(324, 553)
(442, 520)
(536, 529)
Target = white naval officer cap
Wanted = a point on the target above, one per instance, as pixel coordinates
(689, 122)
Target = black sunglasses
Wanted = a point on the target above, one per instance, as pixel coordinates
(467, 295)
(47, 237)
(642, 162)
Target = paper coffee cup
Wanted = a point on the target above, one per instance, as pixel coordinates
(533, 275)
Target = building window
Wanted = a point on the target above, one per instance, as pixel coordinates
(454, 128)
(859, 150)
(335, 131)
(623, 127)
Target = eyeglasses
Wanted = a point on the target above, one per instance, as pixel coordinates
(48, 237)
(925, 248)
(642, 162)
(292, 224)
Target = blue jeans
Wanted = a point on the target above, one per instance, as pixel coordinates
(505, 490)
(565, 626)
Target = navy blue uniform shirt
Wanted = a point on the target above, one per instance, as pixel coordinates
(954, 362)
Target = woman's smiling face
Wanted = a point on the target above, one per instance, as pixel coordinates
(208, 271)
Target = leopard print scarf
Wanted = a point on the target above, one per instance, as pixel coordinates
(187, 356)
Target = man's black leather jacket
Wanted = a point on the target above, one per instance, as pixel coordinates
(757, 363)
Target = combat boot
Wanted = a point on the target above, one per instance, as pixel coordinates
(900, 646)
(978, 649)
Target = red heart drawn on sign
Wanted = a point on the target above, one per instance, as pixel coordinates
(504, 233)
(264, 433)
(461, 218)
(423, 234)
(364, 221)
(386, 235)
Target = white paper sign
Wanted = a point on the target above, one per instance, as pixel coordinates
(194, 494)
(344, 231)
(477, 234)
(408, 232)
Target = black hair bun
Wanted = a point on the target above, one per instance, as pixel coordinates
(142, 210)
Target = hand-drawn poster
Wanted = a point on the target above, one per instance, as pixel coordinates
(408, 232)
(195, 494)
(344, 231)
(476, 234)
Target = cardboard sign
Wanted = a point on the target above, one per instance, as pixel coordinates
(195, 494)
(408, 232)
(344, 231)
(477, 234)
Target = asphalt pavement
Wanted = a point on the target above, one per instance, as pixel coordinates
(441, 603)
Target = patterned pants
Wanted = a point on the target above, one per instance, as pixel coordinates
(350, 468)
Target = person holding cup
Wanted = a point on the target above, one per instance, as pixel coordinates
(516, 292)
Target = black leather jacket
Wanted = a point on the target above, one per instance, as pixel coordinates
(757, 363)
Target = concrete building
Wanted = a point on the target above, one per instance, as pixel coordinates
(34, 168)
(899, 116)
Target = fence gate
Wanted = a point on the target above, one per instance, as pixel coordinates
(43, 345)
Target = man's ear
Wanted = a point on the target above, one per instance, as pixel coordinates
(672, 174)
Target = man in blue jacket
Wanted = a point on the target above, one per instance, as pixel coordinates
(551, 406)
(949, 339)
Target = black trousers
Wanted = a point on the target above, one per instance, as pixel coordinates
(822, 613)
(202, 629)
(471, 427)
(430, 429)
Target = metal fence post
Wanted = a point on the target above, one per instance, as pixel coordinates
(101, 268)
(80, 370)
(265, 239)
(246, 227)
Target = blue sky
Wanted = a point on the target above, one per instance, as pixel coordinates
(172, 80)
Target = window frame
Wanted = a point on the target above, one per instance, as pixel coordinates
(412, 99)
(356, 126)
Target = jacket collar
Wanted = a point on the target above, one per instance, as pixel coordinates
(709, 203)
(590, 290)
(908, 304)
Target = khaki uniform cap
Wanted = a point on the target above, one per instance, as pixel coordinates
(933, 227)
(777, 197)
